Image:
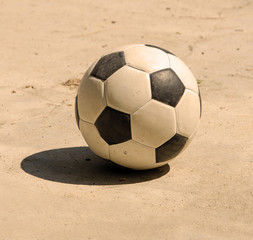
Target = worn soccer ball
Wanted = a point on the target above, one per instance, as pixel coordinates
(138, 106)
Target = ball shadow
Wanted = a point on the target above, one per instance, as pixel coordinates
(79, 165)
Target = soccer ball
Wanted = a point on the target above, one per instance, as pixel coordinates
(138, 106)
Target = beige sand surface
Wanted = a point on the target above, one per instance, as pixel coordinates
(62, 194)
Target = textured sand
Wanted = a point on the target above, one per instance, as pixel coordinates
(61, 194)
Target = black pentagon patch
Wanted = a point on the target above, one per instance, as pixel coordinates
(108, 64)
(171, 148)
(114, 126)
(200, 101)
(166, 87)
(166, 51)
(76, 112)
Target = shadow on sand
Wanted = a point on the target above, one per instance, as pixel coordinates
(78, 165)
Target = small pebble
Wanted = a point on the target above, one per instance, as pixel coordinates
(29, 86)
(190, 48)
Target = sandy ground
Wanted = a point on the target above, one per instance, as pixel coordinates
(53, 188)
